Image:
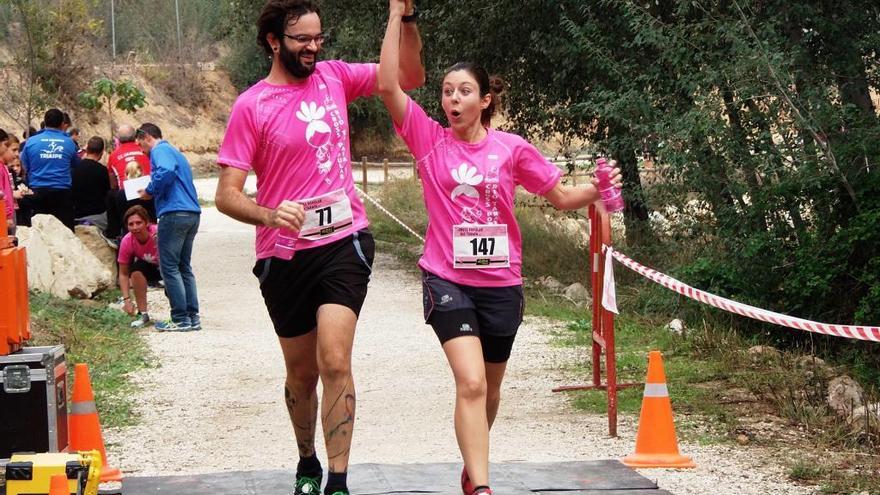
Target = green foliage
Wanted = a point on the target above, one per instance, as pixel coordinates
(548, 249)
(123, 95)
(100, 337)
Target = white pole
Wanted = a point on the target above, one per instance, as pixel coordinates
(179, 47)
(113, 26)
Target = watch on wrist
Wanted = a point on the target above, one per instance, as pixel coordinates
(411, 17)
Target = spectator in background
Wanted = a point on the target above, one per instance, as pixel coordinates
(19, 189)
(126, 156)
(128, 151)
(171, 184)
(66, 122)
(138, 263)
(91, 185)
(74, 134)
(49, 157)
(6, 186)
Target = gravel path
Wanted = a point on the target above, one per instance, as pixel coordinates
(214, 403)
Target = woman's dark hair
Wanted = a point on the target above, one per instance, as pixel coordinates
(493, 85)
(275, 16)
(3, 136)
(136, 210)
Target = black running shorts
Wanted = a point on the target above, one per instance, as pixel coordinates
(336, 273)
(148, 270)
(491, 313)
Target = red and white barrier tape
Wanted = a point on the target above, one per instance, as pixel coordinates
(847, 331)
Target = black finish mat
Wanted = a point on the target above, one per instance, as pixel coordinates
(574, 478)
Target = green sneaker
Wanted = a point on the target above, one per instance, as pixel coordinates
(308, 486)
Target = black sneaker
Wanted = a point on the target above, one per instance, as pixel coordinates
(308, 486)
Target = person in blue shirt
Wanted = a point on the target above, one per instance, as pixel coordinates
(177, 208)
(49, 158)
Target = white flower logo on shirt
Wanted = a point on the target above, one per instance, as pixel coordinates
(312, 114)
(467, 177)
(149, 258)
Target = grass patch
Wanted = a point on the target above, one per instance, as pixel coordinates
(99, 336)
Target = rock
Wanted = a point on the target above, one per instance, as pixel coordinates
(59, 263)
(814, 368)
(743, 439)
(550, 283)
(763, 353)
(845, 395)
(577, 294)
(866, 418)
(39, 260)
(91, 238)
(675, 326)
(810, 361)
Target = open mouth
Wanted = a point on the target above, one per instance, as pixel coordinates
(455, 113)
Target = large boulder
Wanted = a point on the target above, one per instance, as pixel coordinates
(91, 238)
(845, 395)
(59, 263)
(577, 294)
(866, 418)
(550, 283)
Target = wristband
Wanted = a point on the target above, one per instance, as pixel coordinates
(411, 17)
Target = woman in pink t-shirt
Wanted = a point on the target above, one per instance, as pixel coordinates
(472, 282)
(138, 262)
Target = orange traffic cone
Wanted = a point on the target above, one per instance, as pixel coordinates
(58, 485)
(84, 427)
(656, 445)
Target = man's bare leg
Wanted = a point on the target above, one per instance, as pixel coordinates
(336, 327)
(300, 394)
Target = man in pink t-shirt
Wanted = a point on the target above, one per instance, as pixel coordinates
(314, 252)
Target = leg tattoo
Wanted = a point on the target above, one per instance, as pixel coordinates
(303, 415)
(338, 420)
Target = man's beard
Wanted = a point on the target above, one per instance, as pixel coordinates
(291, 62)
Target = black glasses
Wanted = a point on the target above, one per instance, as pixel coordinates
(305, 39)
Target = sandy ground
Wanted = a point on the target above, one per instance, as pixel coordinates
(214, 403)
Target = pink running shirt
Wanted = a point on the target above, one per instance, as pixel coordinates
(472, 184)
(131, 250)
(295, 138)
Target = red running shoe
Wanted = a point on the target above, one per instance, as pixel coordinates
(466, 486)
(485, 490)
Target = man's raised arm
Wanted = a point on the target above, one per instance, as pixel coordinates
(412, 71)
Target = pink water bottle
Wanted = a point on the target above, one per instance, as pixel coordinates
(611, 197)
(285, 244)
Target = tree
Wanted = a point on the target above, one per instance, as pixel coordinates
(51, 43)
(20, 78)
(123, 94)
